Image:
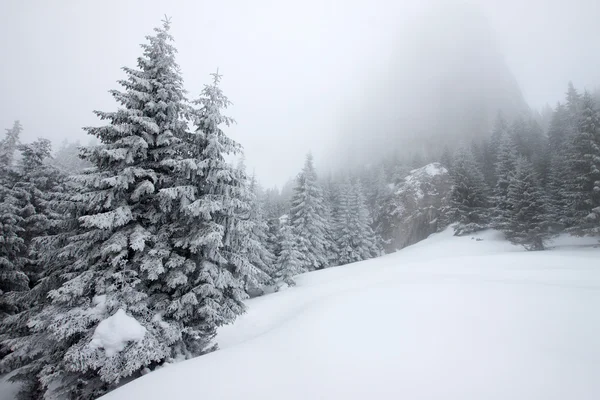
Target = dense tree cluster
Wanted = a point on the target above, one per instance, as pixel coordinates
(151, 227)
(542, 183)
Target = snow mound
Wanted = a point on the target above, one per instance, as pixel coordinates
(573, 241)
(468, 318)
(113, 333)
(8, 390)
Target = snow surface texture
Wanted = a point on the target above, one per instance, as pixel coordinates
(115, 332)
(447, 318)
(8, 390)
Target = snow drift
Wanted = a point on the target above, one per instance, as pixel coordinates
(448, 318)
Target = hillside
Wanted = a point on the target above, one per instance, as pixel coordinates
(447, 318)
(443, 87)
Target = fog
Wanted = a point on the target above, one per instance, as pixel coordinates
(303, 75)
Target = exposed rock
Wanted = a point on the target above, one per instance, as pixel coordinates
(417, 205)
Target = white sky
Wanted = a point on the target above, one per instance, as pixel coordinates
(289, 66)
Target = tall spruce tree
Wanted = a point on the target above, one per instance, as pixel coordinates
(573, 105)
(469, 194)
(505, 169)
(123, 249)
(329, 208)
(158, 218)
(560, 141)
(378, 200)
(366, 243)
(255, 245)
(355, 238)
(9, 144)
(210, 228)
(289, 260)
(342, 224)
(39, 185)
(12, 244)
(499, 131)
(527, 218)
(308, 218)
(584, 160)
(46, 214)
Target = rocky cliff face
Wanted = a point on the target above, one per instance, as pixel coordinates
(444, 86)
(417, 204)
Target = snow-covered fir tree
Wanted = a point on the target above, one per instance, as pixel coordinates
(39, 185)
(255, 243)
(446, 157)
(506, 160)
(366, 243)
(209, 207)
(355, 238)
(527, 219)
(308, 218)
(343, 234)
(289, 260)
(584, 161)
(121, 251)
(67, 158)
(45, 226)
(12, 245)
(560, 141)
(559, 130)
(380, 190)
(329, 206)
(9, 144)
(573, 104)
(468, 196)
(154, 245)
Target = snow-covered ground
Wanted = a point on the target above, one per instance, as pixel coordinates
(447, 318)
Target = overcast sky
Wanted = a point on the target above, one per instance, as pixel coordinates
(289, 66)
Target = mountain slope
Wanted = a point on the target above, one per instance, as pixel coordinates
(447, 318)
(444, 86)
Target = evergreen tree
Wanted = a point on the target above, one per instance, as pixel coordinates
(366, 244)
(308, 218)
(574, 103)
(212, 228)
(342, 218)
(9, 144)
(67, 159)
(446, 158)
(256, 244)
(123, 249)
(559, 131)
(329, 210)
(560, 140)
(39, 185)
(527, 222)
(289, 259)
(160, 216)
(505, 169)
(468, 196)
(584, 160)
(45, 226)
(356, 241)
(378, 199)
(12, 244)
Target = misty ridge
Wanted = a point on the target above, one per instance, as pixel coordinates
(127, 254)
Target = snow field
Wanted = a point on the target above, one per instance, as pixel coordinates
(448, 318)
